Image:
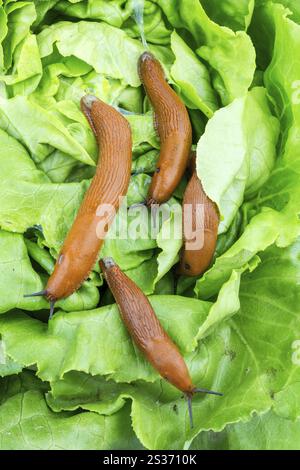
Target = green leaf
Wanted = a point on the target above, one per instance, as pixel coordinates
(227, 304)
(39, 129)
(286, 403)
(27, 70)
(20, 16)
(192, 78)
(3, 32)
(235, 14)
(30, 199)
(292, 5)
(266, 431)
(239, 150)
(230, 55)
(21, 383)
(264, 229)
(42, 8)
(7, 365)
(93, 328)
(18, 278)
(106, 48)
(278, 201)
(24, 413)
(131, 239)
(239, 357)
(169, 240)
(146, 163)
(111, 12)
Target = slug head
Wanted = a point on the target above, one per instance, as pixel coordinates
(167, 360)
(86, 104)
(107, 263)
(88, 101)
(44, 293)
(149, 68)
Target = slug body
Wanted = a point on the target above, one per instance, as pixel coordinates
(173, 126)
(145, 328)
(85, 238)
(147, 332)
(200, 217)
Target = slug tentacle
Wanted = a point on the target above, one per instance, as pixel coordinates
(190, 409)
(52, 304)
(37, 294)
(209, 392)
(189, 397)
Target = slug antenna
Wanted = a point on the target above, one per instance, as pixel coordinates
(36, 294)
(189, 402)
(189, 397)
(52, 304)
(204, 390)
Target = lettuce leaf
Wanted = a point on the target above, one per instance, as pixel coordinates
(292, 5)
(239, 151)
(192, 78)
(7, 365)
(18, 278)
(3, 32)
(80, 378)
(96, 44)
(276, 208)
(32, 200)
(236, 14)
(111, 12)
(146, 17)
(230, 55)
(20, 16)
(233, 358)
(23, 413)
(39, 130)
(266, 431)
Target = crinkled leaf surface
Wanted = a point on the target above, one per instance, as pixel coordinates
(239, 357)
